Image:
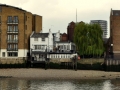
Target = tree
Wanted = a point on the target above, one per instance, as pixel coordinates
(88, 39)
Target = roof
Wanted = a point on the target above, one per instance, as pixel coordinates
(12, 6)
(40, 35)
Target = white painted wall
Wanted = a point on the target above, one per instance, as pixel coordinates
(57, 36)
(3, 50)
(48, 42)
(21, 53)
(69, 44)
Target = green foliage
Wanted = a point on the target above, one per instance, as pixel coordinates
(88, 39)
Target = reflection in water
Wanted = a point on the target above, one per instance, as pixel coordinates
(23, 84)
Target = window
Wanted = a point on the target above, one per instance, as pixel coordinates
(43, 39)
(15, 37)
(10, 28)
(9, 19)
(35, 39)
(9, 47)
(15, 19)
(38, 47)
(9, 37)
(65, 47)
(61, 47)
(3, 54)
(0, 19)
(68, 47)
(15, 46)
(12, 54)
(15, 28)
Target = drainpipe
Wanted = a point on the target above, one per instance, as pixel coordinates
(24, 34)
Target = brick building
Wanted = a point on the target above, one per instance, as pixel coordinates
(16, 26)
(64, 37)
(115, 33)
(70, 30)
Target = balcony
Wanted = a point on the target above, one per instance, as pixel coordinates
(12, 49)
(14, 31)
(12, 22)
(12, 41)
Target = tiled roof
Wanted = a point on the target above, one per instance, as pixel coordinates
(40, 35)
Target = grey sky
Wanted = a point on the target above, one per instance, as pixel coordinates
(58, 13)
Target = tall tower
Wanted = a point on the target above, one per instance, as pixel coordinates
(115, 33)
(103, 25)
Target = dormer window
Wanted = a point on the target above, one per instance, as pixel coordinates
(43, 39)
(35, 39)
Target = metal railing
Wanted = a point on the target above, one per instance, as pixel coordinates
(12, 22)
(12, 41)
(12, 49)
(14, 31)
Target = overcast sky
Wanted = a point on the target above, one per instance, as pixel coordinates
(57, 14)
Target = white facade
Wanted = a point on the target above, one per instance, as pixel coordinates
(20, 53)
(65, 46)
(38, 44)
(42, 50)
(57, 36)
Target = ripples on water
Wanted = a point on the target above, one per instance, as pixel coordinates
(21, 84)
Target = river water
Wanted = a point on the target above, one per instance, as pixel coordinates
(36, 84)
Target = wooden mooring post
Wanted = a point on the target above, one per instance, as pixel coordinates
(74, 63)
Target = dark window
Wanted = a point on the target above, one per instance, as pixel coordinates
(9, 47)
(43, 39)
(12, 54)
(3, 54)
(0, 19)
(35, 46)
(15, 19)
(15, 47)
(9, 19)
